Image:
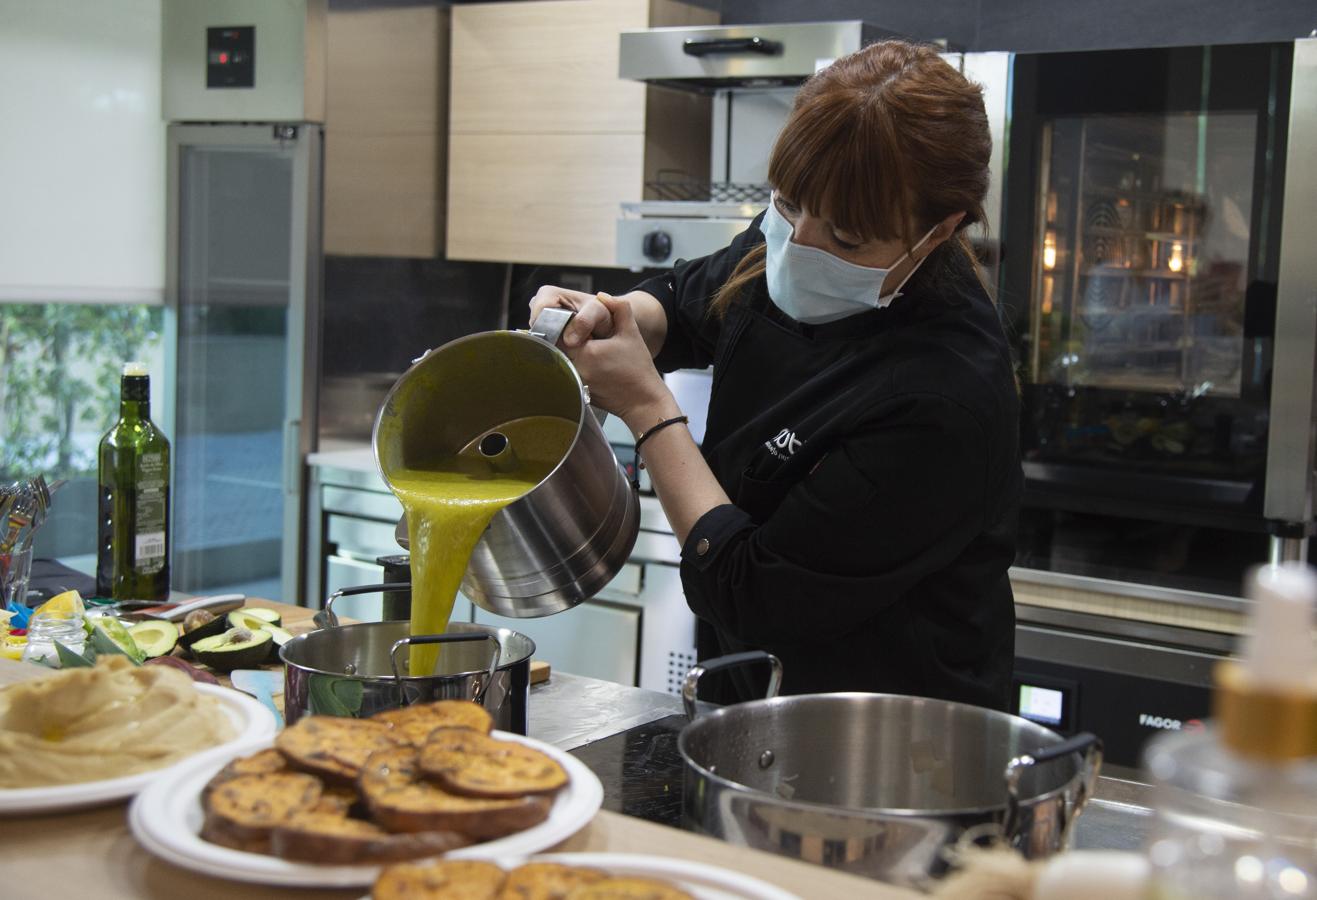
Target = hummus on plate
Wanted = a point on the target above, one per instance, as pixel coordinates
(108, 721)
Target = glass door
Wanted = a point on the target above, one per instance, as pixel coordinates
(1142, 231)
(244, 285)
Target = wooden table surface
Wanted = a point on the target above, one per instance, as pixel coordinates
(92, 854)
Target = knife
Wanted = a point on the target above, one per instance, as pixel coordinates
(177, 612)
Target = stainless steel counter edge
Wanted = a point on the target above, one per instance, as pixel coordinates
(570, 711)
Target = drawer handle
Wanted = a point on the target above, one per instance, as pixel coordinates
(713, 46)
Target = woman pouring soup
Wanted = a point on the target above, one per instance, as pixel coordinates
(852, 508)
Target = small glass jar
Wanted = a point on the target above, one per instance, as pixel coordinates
(44, 630)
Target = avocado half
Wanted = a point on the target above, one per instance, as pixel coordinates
(216, 625)
(237, 648)
(253, 618)
(155, 638)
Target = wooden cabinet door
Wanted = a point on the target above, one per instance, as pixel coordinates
(546, 141)
(385, 122)
(544, 67)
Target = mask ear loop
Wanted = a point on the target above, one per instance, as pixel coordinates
(919, 243)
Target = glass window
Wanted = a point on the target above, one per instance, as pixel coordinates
(59, 393)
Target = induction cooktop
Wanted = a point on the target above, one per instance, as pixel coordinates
(640, 769)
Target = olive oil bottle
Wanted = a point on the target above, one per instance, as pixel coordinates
(132, 548)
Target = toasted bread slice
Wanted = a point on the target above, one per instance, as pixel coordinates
(265, 762)
(335, 839)
(400, 800)
(333, 748)
(467, 880)
(416, 722)
(244, 810)
(476, 765)
(546, 881)
(339, 800)
(628, 889)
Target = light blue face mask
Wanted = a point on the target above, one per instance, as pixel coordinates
(813, 286)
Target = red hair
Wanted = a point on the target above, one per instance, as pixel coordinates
(885, 143)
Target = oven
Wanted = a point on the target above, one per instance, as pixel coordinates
(1158, 283)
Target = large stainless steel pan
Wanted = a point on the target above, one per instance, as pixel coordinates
(358, 670)
(877, 784)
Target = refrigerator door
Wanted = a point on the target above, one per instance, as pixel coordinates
(243, 299)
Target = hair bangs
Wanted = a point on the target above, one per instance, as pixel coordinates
(837, 157)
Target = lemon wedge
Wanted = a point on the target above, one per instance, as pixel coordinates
(67, 605)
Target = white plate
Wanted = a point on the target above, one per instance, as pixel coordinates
(251, 722)
(702, 881)
(166, 819)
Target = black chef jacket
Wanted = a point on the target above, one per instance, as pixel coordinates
(873, 468)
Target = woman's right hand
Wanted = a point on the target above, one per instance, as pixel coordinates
(592, 318)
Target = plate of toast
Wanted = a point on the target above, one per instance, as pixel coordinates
(331, 800)
(571, 876)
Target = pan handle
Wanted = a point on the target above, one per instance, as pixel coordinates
(690, 686)
(327, 618)
(1090, 745)
(479, 694)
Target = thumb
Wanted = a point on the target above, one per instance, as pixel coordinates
(620, 310)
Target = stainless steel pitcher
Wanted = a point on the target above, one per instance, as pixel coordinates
(564, 540)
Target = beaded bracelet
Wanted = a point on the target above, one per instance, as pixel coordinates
(636, 464)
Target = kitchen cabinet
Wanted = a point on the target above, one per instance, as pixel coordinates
(385, 131)
(545, 140)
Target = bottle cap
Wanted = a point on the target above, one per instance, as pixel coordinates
(137, 369)
(1266, 702)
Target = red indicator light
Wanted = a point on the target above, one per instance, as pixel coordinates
(224, 59)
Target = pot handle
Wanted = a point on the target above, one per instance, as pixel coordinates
(459, 638)
(1090, 745)
(327, 618)
(690, 686)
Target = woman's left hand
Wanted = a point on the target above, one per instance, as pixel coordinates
(620, 372)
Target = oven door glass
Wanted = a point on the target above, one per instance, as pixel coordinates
(1140, 274)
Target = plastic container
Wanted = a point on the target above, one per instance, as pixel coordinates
(1236, 802)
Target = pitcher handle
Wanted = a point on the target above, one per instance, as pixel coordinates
(549, 326)
(1090, 745)
(478, 695)
(690, 686)
(327, 618)
(550, 323)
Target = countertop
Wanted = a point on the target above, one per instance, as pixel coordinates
(92, 853)
(356, 456)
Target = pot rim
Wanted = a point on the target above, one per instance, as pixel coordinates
(468, 626)
(865, 811)
(581, 413)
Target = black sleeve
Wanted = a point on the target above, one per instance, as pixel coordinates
(892, 504)
(686, 292)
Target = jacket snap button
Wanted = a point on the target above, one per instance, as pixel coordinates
(702, 546)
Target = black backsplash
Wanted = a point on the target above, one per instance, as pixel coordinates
(379, 314)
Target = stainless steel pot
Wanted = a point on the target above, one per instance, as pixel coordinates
(563, 541)
(877, 784)
(359, 670)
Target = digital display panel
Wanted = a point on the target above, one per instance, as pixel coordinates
(1044, 705)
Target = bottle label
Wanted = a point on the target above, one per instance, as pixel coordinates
(149, 543)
